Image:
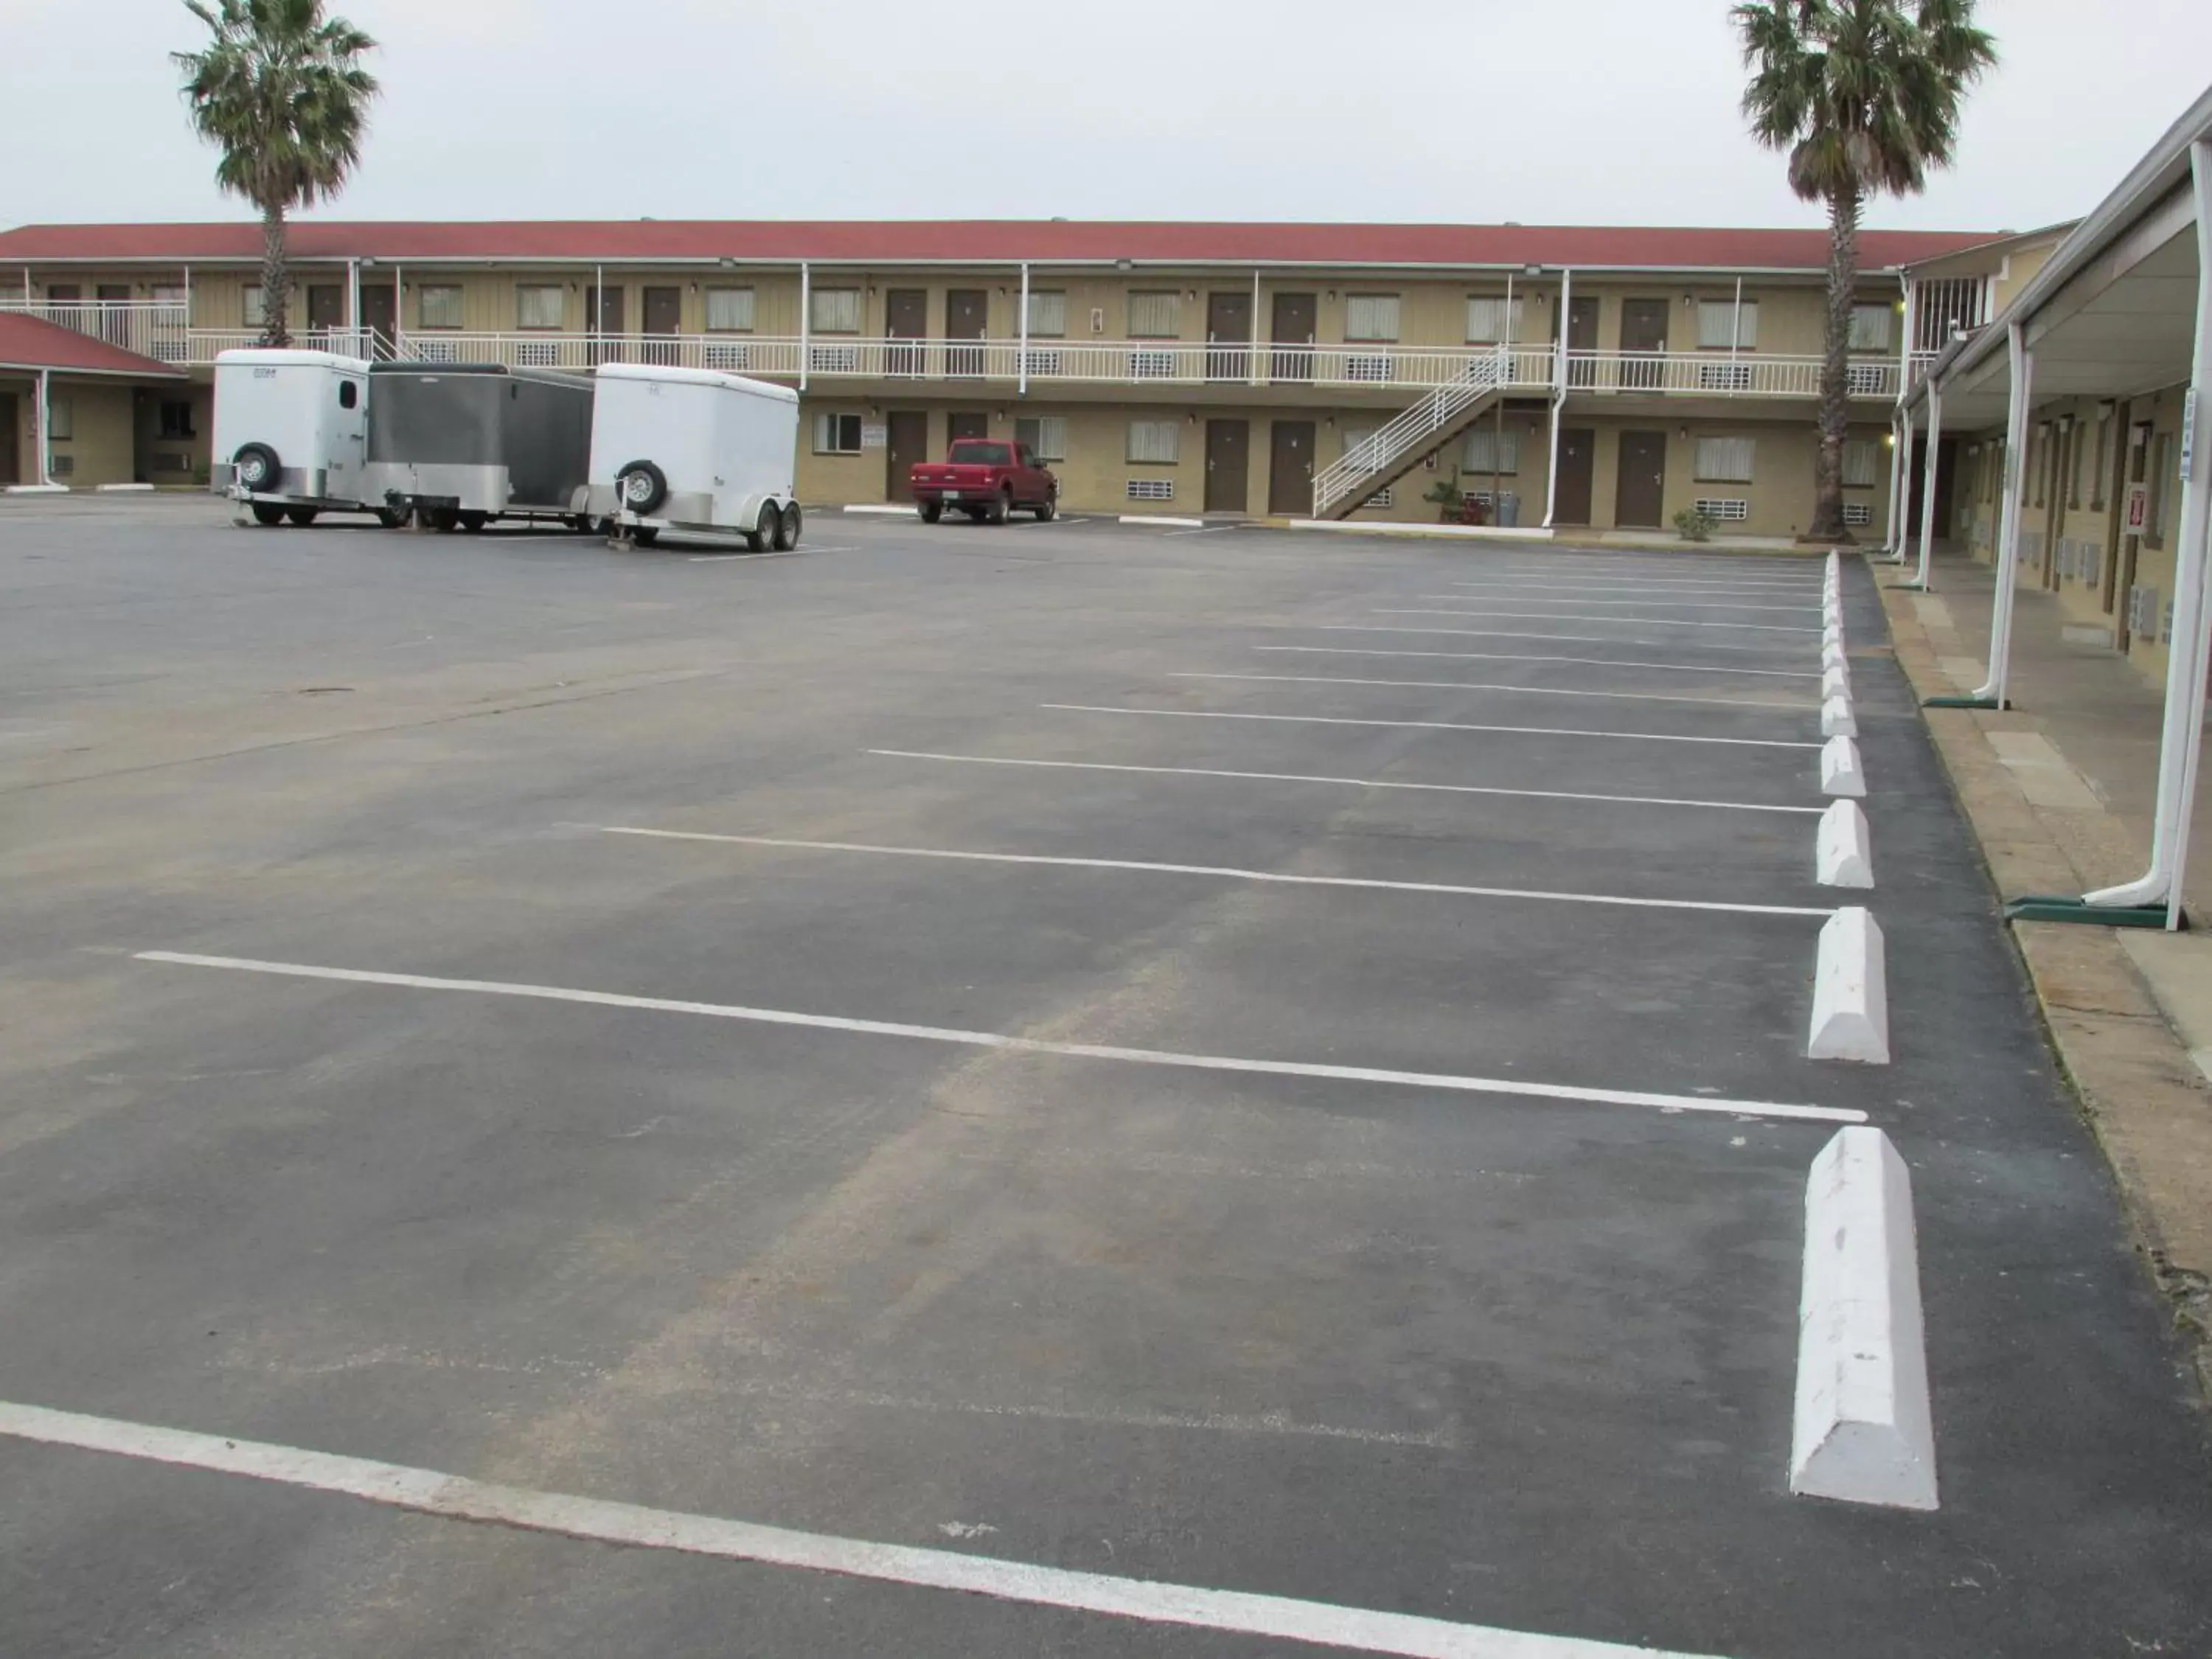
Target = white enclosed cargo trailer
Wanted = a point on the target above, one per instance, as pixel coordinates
(291, 434)
(690, 451)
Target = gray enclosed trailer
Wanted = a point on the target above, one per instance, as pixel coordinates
(461, 444)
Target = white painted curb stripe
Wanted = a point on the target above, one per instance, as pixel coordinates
(886, 509)
(1850, 992)
(1428, 726)
(1841, 773)
(1832, 633)
(1146, 518)
(1479, 1086)
(1832, 656)
(1350, 783)
(1225, 872)
(125, 489)
(1843, 849)
(1516, 690)
(1508, 656)
(1835, 681)
(1837, 719)
(1516, 633)
(1862, 1432)
(427, 1491)
(1576, 616)
(1663, 603)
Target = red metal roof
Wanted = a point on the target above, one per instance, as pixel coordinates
(33, 343)
(989, 242)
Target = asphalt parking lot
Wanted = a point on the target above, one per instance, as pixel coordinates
(1234, 1061)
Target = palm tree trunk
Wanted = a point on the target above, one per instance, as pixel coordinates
(1835, 371)
(276, 280)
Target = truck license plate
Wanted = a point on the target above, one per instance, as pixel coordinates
(952, 494)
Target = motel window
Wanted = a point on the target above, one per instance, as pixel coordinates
(1155, 443)
(1724, 461)
(1156, 316)
(1048, 315)
(1370, 317)
(836, 310)
(1871, 327)
(539, 304)
(2105, 426)
(176, 417)
(1489, 450)
(1717, 324)
(729, 310)
(1861, 463)
(170, 293)
(61, 420)
(2041, 464)
(1044, 436)
(438, 304)
(251, 313)
(836, 435)
(1491, 321)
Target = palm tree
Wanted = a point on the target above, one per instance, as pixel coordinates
(280, 91)
(1863, 96)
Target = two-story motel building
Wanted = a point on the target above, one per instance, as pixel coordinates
(1578, 378)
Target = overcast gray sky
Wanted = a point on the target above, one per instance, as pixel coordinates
(1620, 111)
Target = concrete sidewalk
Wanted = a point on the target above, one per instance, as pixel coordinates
(2059, 789)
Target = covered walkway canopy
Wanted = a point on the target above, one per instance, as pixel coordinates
(39, 350)
(2123, 309)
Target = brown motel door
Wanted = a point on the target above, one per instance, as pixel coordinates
(1643, 491)
(1578, 469)
(325, 307)
(604, 309)
(906, 316)
(10, 446)
(663, 315)
(1582, 336)
(1228, 467)
(1295, 322)
(1228, 332)
(908, 444)
(1289, 470)
(1643, 329)
(966, 311)
(380, 311)
(966, 423)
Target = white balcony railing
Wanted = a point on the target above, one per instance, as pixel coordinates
(156, 329)
(1715, 375)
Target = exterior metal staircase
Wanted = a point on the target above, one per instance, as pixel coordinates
(1374, 463)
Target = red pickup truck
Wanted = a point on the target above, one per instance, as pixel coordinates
(985, 479)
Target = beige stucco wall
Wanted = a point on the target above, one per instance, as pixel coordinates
(99, 449)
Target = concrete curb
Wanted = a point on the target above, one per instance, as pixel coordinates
(1837, 719)
(1843, 850)
(1850, 992)
(1166, 523)
(1835, 680)
(35, 489)
(1841, 773)
(1463, 532)
(126, 490)
(1862, 1431)
(887, 510)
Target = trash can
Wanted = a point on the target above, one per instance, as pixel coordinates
(1508, 508)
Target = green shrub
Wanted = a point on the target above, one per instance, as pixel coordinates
(1693, 525)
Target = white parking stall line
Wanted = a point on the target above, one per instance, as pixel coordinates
(1164, 1057)
(1227, 872)
(1509, 656)
(1350, 783)
(1639, 585)
(1511, 690)
(1516, 634)
(1430, 725)
(457, 1497)
(1570, 615)
(1664, 603)
(758, 558)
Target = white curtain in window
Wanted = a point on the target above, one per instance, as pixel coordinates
(1485, 453)
(1717, 317)
(729, 310)
(1488, 322)
(1156, 316)
(539, 306)
(1155, 441)
(837, 310)
(440, 305)
(1370, 317)
(1045, 434)
(1861, 463)
(61, 419)
(1048, 314)
(1870, 328)
(1724, 461)
(250, 306)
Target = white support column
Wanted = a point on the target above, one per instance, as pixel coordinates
(805, 320)
(1901, 462)
(1022, 369)
(1252, 345)
(46, 415)
(353, 303)
(1992, 690)
(2186, 657)
(1558, 397)
(1927, 476)
(399, 308)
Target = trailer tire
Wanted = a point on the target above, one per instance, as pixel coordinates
(931, 511)
(788, 524)
(1001, 506)
(301, 516)
(443, 519)
(391, 517)
(645, 535)
(641, 486)
(266, 515)
(256, 467)
(473, 522)
(761, 535)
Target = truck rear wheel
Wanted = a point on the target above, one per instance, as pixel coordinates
(1002, 504)
(1048, 509)
(931, 511)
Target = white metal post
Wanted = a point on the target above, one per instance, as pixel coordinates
(1928, 483)
(1252, 345)
(353, 303)
(805, 320)
(45, 424)
(2015, 493)
(2188, 645)
(399, 310)
(1022, 369)
(1558, 399)
(1901, 460)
